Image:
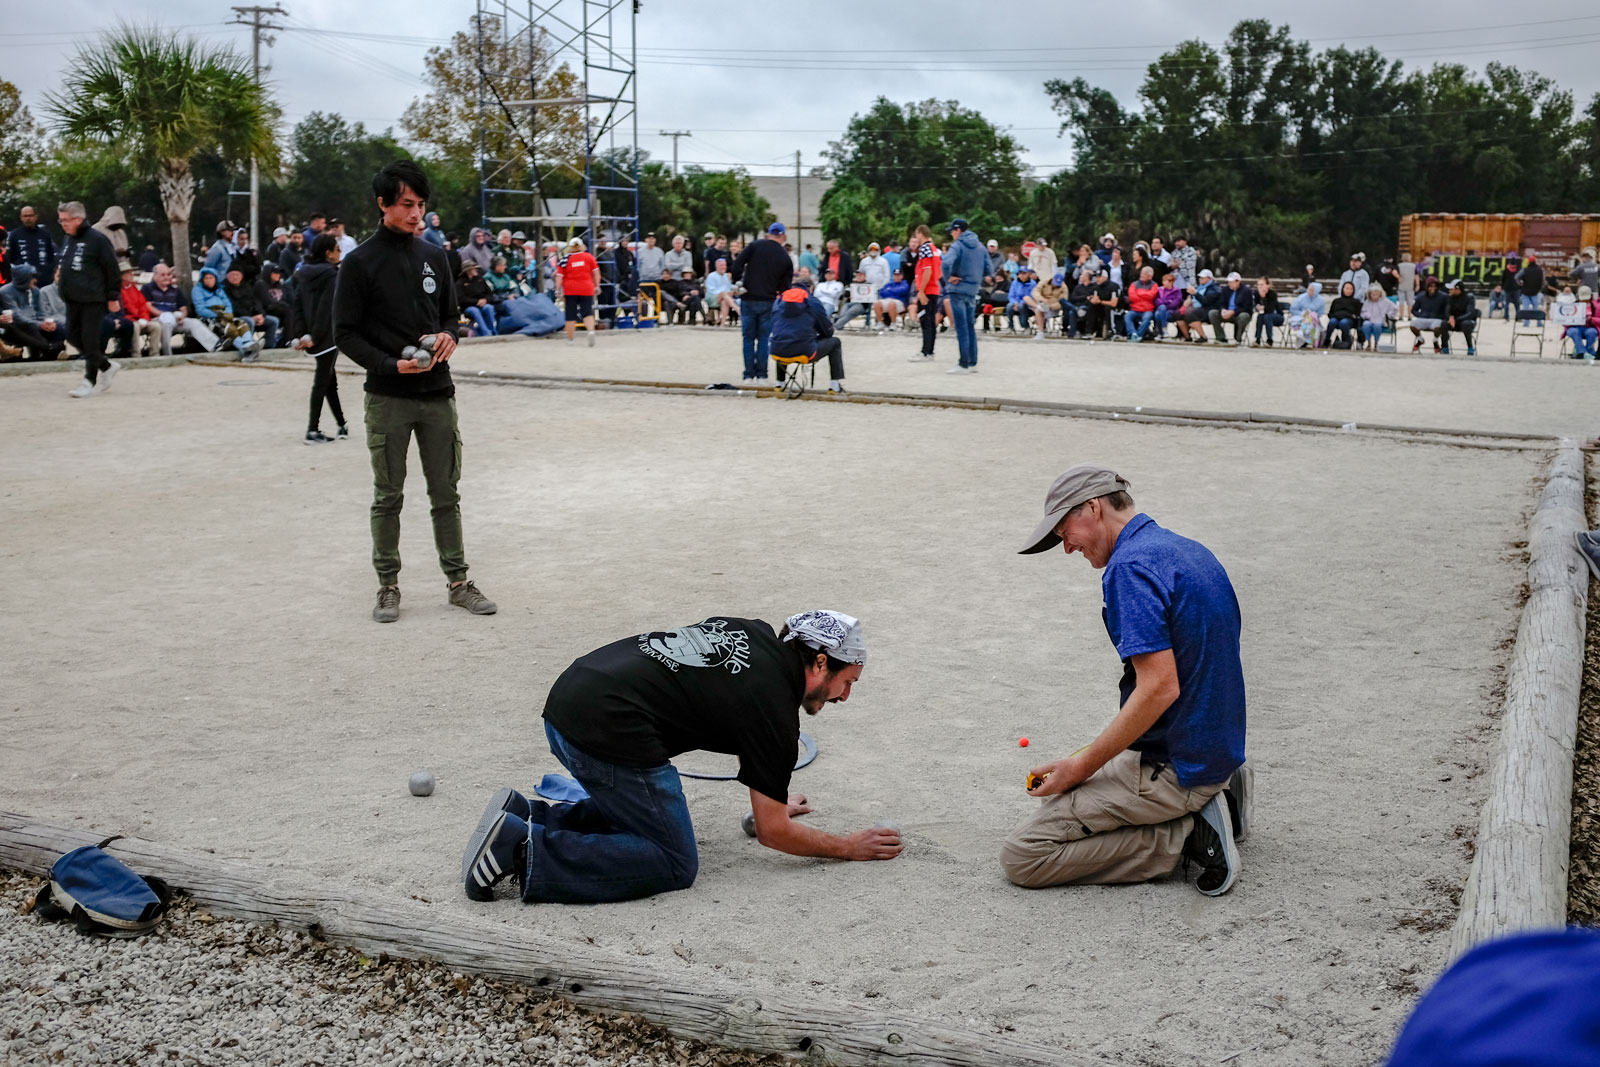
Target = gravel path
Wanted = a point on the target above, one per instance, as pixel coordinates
(206, 991)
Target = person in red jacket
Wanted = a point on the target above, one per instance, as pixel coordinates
(136, 309)
(1141, 311)
(577, 279)
(925, 291)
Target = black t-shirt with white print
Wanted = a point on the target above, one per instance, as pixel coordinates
(723, 685)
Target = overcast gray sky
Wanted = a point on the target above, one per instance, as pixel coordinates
(754, 82)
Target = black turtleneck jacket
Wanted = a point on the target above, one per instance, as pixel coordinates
(391, 290)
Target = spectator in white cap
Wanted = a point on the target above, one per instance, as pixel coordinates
(1236, 302)
(1356, 274)
(616, 718)
(1042, 260)
(1206, 298)
(273, 253)
(1165, 784)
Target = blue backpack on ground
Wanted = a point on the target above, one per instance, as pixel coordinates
(101, 895)
(531, 316)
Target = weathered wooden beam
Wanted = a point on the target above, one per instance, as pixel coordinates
(1518, 879)
(811, 1030)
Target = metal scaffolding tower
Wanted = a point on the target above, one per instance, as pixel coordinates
(522, 48)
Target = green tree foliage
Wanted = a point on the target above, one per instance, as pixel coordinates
(158, 102)
(331, 164)
(22, 149)
(899, 165)
(1267, 155)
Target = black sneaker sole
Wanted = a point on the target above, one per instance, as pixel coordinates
(1218, 815)
(478, 849)
(1240, 786)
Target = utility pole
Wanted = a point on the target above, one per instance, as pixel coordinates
(256, 19)
(800, 229)
(675, 134)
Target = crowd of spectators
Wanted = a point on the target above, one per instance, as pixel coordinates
(244, 295)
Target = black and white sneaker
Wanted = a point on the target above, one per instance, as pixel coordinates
(497, 849)
(317, 437)
(1241, 789)
(342, 433)
(512, 802)
(1210, 847)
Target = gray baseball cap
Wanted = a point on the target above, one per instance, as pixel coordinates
(1083, 482)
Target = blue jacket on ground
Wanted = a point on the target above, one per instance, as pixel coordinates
(798, 319)
(207, 302)
(1018, 291)
(966, 260)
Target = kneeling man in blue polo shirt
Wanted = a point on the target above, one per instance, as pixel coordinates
(1165, 783)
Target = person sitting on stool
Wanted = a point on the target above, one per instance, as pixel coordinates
(801, 327)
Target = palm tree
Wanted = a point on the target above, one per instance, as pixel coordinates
(159, 102)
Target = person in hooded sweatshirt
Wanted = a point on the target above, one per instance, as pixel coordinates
(801, 327)
(963, 269)
(1428, 314)
(1461, 316)
(1305, 314)
(211, 304)
(432, 232)
(1343, 315)
(313, 291)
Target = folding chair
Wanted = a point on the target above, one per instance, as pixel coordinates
(1529, 325)
(790, 369)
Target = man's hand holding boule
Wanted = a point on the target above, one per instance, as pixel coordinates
(409, 366)
(444, 343)
(1060, 776)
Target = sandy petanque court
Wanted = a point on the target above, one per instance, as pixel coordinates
(191, 660)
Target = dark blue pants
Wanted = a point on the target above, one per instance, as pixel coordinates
(631, 838)
(963, 320)
(755, 322)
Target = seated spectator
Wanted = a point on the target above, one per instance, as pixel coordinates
(1428, 313)
(1305, 315)
(172, 311)
(25, 319)
(1108, 244)
(874, 268)
(1102, 311)
(1377, 311)
(1343, 314)
(722, 307)
(1205, 299)
(1016, 298)
(668, 287)
(804, 275)
(830, 292)
(993, 298)
(136, 311)
(1268, 312)
(1235, 303)
(1169, 304)
(245, 256)
(1461, 316)
(472, 294)
(1045, 300)
(1498, 301)
(502, 243)
(853, 308)
(690, 298)
(1142, 296)
(211, 304)
(1586, 337)
(502, 286)
(1010, 267)
(1076, 308)
(273, 299)
(892, 301)
(245, 305)
(801, 327)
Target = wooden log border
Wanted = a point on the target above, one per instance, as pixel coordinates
(691, 1005)
(1518, 879)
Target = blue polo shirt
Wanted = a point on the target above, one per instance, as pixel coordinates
(1164, 591)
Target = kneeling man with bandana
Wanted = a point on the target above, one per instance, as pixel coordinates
(1165, 782)
(615, 719)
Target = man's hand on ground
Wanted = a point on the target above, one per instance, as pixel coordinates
(798, 805)
(873, 844)
(1059, 776)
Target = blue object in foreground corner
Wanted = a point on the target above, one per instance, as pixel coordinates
(1528, 1000)
(559, 789)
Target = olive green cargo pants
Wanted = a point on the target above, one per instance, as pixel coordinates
(391, 423)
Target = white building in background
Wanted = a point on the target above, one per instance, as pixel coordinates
(796, 203)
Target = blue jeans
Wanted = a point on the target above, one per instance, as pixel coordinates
(1012, 311)
(1344, 326)
(631, 838)
(1371, 331)
(1528, 303)
(1584, 339)
(1070, 314)
(1266, 321)
(1137, 322)
(755, 324)
(1163, 316)
(483, 319)
(270, 325)
(1498, 302)
(964, 320)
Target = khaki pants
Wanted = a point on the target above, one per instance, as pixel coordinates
(1126, 823)
(391, 423)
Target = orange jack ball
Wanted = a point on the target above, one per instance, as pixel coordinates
(1023, 743)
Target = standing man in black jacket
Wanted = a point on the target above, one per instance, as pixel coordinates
(395, 291)
(90, 286)
(765, 270)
